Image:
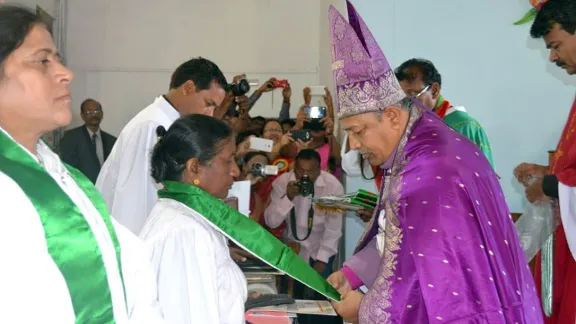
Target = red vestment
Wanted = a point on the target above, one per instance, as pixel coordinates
(563, 166)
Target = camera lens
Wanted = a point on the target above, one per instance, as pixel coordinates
(306, 186)
(256, 169)
(240, 88)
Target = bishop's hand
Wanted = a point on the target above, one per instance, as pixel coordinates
(348, 307)
(365, 214)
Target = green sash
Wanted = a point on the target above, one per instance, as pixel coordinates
(249, 235)
(69, 238)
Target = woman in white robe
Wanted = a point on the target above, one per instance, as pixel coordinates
(64, 260)
(198, 282)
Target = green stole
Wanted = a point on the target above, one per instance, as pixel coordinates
(248, 234)
(69, 238)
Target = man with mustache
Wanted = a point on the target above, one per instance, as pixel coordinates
(555, 23)
(87, 147)
(446, 247)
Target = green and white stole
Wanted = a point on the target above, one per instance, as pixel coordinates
(69, 238)
(248, 234)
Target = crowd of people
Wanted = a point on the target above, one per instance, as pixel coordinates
(137, 229)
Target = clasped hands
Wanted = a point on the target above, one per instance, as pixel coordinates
(349, 305)
(525, 173)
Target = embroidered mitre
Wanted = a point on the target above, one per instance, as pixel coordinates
(362, 75)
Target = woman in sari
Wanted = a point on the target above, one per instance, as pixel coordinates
(64, 259)
(198, 282)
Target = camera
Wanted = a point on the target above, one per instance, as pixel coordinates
(239, 88)
(281, 84)
(306, 186)
(259, 170)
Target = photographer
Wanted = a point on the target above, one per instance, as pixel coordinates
(322, 133)
(237, 105)
(318, 231)
(253, 170)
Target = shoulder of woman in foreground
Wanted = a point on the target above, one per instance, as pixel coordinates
(171, 219)
(11, 195)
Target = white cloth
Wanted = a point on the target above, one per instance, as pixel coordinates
(125, 181)
(324, 238)
(381, 236)
(567, 200)
(454, 109)
(33, 289)
(198, 282)
(351, 161)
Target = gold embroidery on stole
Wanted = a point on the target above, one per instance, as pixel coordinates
(379, 296)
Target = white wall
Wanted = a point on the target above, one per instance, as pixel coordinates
(123, 52)
(488, 65)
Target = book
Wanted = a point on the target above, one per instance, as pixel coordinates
(309, 307)
(349, 202)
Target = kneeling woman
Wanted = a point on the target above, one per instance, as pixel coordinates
(198, 282)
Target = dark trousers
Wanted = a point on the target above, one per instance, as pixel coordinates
(303, 292)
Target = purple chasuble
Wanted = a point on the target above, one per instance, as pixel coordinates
(452, 254)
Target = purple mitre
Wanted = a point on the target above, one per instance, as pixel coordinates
(364, 80)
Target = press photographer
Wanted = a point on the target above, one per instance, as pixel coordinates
(318, 231)
(318, 121)
(237, 105)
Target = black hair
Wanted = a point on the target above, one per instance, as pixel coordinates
(199, 70)
(427, 69)
(271, 120)
(186, 139)
(87, 101)
(244, 135)
(561, 12)
(290, 122)
(308, 154)
(250, 155)
(258, 118)
(15, 24)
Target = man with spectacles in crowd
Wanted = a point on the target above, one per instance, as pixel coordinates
(420, 79)
(87, 147)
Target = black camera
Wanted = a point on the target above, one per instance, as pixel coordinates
(259, 170)
(239, 88)
(306, 186)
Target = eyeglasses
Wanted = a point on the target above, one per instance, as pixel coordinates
(419, 93)
(93, 112)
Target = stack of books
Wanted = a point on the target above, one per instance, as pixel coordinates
(360, 199)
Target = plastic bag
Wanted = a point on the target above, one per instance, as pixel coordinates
(535, 226)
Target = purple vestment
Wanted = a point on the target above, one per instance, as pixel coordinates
(452, 254)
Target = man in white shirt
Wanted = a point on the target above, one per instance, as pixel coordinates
(197, 87)
(318, 231)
